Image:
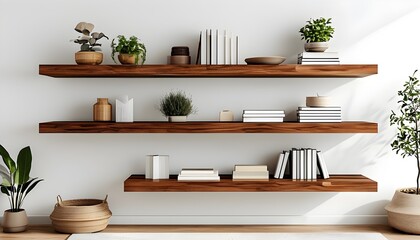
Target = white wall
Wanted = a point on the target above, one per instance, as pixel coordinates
(80, 166)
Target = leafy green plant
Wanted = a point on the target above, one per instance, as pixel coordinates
(407, 122)
(16, 183)
(129, 46)
(318, 30)
(176, 104)
(88, 41)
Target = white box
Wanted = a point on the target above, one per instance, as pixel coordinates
(157, 167)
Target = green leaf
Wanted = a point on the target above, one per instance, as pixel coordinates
(10, 164)
(24, 163)
(4, 190)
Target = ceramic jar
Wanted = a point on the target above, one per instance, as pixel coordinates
(14, 222)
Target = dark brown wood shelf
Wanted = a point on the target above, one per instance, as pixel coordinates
(231, 71)
(206, 127)
(337, 183)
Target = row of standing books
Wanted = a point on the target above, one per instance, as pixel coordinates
(217, 47)
(318, 58)
(301, 164)
(250, 172)
(319, 114)
(263, 116)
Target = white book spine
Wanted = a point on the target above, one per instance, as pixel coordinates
(237, 51)
(294, 164)
(208, 41)
(203, 48)
(313, 152)
(308, 164)
(213, 47)
(302, 164)
(285, 163)
(279, 165)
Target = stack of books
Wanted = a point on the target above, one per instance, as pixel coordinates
(217, 47)
(319, 114)
(302, 164)
(318, 58)
(198, 174)
(263, 115)
(250, 172)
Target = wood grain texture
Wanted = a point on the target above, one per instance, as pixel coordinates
(337, 183)
(46, 232)
(242, 71)
(206, 127)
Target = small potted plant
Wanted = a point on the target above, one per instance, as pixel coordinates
(176, 106)
(89, 53)
(131, 51)
(16, 185)
(317, 33)
(404, 209)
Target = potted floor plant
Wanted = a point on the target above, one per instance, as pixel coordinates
(131, 51)
(16, 184)
(317, 33)
(89, 53)
(404, 209)
(176, 106)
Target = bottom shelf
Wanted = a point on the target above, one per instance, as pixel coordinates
(336, 183)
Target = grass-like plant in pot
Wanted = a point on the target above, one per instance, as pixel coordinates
(16, 184)
(317, 33)
(131, 51)
(89, 53)
(176, 106)
(404, 209)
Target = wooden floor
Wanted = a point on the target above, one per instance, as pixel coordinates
(46, 232)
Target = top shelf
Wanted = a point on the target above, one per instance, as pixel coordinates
(209, 71)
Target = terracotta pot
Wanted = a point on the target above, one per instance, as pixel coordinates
(89, 58)
(316, 46)
(177, 118)
(14, 222)
(128, 59)
(404, 212)
(102, 110)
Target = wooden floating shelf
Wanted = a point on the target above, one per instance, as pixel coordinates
(337, 183)
(242, 71)
(206, 127)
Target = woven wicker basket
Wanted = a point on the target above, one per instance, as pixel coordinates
(80, 215)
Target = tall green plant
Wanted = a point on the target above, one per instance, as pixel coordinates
(407, 122)
(16, 182)
(318, 30)
(129, 46)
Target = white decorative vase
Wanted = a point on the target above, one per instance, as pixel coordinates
(177, 118)
(14, 222)
(404, 212)
(316, 46)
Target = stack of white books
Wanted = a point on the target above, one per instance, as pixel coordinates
(218, 47)
(303, 164)
(250, 172)
(198, 174)
(319, 114)
(263, 115)
(318, 58)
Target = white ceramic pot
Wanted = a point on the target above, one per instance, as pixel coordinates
(404, 212)
(14, 222)
(316, 46)
(177, 118)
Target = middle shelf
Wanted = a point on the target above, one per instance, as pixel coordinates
(205, 127)
(336, 183)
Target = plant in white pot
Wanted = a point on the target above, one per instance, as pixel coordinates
(131, 50)
(404, 209)
(317, 33)
(89, 53)
(176, 106)
(16, 184)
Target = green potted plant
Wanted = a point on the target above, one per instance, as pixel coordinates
(131, 50)
(89, 53)
(16, 184)
(317, 33)
(176, 106)
(404, 209)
